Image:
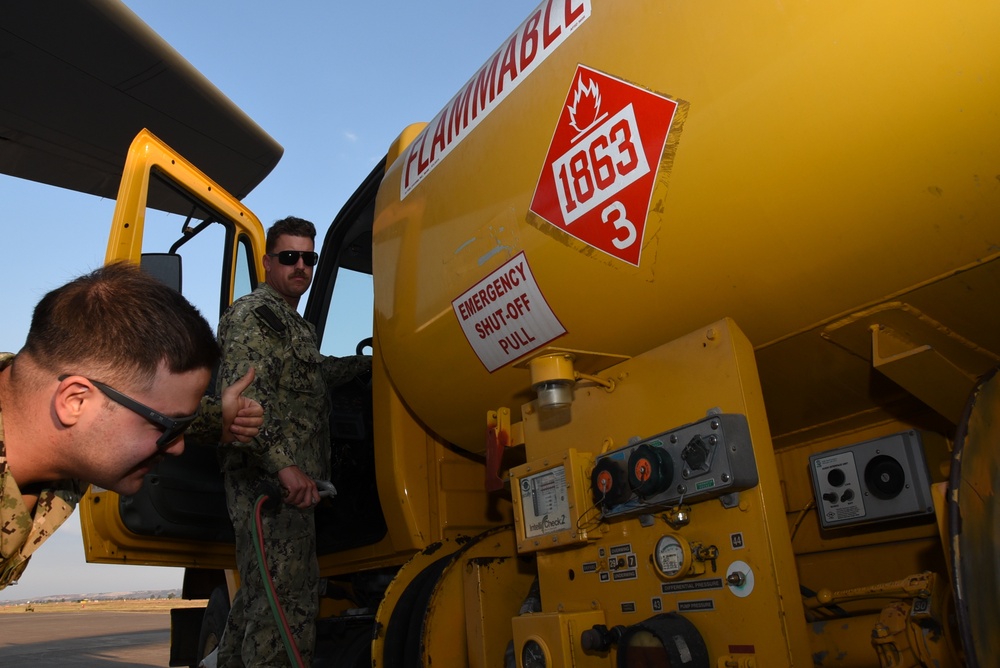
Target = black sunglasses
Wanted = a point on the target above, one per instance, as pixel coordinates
(172, 427)
(290, 258)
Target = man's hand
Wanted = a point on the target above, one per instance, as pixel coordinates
(301, 489)
(241, 417)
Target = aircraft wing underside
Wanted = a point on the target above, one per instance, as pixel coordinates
(79, 79)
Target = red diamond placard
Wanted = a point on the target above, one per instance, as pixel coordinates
(599, 172)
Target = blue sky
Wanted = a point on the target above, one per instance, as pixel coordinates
(333, 82)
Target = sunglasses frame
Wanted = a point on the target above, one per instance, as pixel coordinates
(173, 427)
(309, 258)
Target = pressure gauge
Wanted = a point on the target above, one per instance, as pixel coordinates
(533, 655)
(672, 557)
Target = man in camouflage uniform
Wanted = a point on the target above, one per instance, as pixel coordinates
(60, 428)
(263, 330)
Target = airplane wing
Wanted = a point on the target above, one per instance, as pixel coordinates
(79, 79)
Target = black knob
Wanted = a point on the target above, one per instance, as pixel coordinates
(600, 638)
(650, 470)
(609, 484)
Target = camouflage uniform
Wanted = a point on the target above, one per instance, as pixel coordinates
(263, 331)
(207, 427)
(21, 532)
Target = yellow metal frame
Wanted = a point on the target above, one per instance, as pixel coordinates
(127, 226)
(106, 538)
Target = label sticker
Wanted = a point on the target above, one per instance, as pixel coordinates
(552, 22)
(624, 575)
(696, 606)
(504, 316)
(600, 169)
(544, 504)
(693, 585)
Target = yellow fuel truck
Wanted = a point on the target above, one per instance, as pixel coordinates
(685, 322)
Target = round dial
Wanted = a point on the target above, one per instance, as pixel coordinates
(672, 557)
(532, 655)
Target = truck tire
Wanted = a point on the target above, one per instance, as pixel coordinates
(401, 648)
(214, 622)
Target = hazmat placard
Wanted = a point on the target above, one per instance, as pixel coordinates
(505, 316)
(600, 169)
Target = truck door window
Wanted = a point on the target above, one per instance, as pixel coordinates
(243, 281)
(201, 247)
(349, 319)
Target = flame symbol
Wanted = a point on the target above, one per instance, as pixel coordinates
(586, 105)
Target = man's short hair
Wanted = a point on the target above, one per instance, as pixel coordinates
(296, 227)
(121, 323)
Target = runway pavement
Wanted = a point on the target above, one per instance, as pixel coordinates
(85, 640)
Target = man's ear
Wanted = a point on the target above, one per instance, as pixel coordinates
(73, 396)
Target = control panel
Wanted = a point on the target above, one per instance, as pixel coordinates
(702, 460)
(881, 479)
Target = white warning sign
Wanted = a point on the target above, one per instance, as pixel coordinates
(504, 316)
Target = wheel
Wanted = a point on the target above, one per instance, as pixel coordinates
(214, 622)
(972, 518)
(402, 636)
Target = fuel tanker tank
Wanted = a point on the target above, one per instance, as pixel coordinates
(618, 174)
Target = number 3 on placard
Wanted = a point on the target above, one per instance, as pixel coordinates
(615, 213)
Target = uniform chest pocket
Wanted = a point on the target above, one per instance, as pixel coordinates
(303, 371)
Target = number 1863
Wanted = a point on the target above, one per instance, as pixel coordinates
(600, 165)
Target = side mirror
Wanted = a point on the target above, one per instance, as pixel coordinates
(165, 267)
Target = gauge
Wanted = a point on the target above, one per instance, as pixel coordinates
(672, 556)
(533, 655)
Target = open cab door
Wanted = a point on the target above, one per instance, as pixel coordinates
(179, 517)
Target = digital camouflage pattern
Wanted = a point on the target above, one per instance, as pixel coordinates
(21, 531)
(291, 384)
(252, 637)
(207, 427)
